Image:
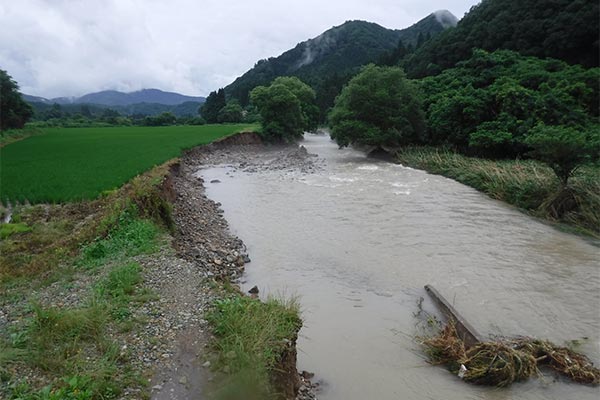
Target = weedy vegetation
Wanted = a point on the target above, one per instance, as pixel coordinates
(71, 349)
(252, 338)
(527, 184)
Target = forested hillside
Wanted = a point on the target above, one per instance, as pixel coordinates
(45, 111)
(328, 61)
(562, 29)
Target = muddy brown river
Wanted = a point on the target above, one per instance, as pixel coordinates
(357, 241)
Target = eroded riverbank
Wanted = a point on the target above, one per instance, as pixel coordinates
(203, 237)
(118, 291)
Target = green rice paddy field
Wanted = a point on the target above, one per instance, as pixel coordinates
(67, 164)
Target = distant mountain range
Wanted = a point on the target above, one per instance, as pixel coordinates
(338, 51)
(116, 98)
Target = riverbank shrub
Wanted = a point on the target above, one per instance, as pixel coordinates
(564, 149)
(527, 184)
(378, 107)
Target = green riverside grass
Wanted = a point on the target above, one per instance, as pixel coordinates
(527, 184)
(67, 164)
(250, 338)
(73, 342)
(71, 346)
(8, 229)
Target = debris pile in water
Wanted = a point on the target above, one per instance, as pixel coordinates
(502, 362)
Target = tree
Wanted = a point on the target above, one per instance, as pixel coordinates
(85, 111)
(163, 119)
(287, 108)
(487, 104)
(562, 29)
(379, 107)
(14, 111)
(231, 112)
(211, 107)
(110, 116)
(563, 148)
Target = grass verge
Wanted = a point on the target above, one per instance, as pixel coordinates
(527, 184)
(72, 351)
(252, 341)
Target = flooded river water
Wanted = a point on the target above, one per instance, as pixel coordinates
(357, 241)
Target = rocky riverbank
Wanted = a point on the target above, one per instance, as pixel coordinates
(209, 251)
(151, 338)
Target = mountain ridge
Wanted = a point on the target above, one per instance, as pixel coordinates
(342, 49)
(117, 98)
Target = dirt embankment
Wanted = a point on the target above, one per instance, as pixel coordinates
(203, 240)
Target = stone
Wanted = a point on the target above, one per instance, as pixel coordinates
(254, 290)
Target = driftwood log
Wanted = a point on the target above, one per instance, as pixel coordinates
(467, 333)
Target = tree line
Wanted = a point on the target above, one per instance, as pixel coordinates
(498, 105)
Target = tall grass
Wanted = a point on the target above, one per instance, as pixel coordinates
(67, 164)
(527, 184)
(251, 338)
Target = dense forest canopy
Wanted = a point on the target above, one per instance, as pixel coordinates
(562, 29)
(488, 103)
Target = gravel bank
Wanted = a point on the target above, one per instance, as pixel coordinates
(204, 250)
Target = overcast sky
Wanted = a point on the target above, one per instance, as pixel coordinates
(71, 47)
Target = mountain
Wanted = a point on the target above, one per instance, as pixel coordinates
(339, 51)
(115, 98)
(44, 110)
(35, 99)
(564, 29)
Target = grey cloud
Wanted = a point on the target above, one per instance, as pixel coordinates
(71, 47)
